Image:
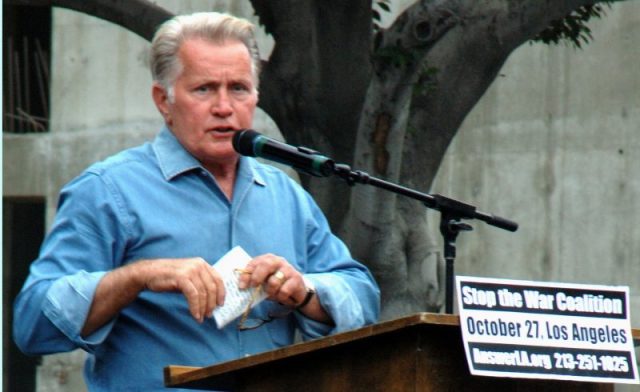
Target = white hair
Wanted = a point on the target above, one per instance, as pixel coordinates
(211, 26)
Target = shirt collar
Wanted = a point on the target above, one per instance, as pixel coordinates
(248, 169)
(175, 160)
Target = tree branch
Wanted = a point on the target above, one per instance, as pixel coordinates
(141, 17)
(398, 64)
(467, 62)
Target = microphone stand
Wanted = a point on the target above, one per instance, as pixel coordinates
(451, 213)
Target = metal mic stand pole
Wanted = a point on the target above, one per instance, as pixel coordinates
(451, 214)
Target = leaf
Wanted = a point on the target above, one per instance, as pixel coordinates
(573, 27)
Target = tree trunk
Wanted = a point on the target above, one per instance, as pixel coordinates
(447, 53)
(315, 81)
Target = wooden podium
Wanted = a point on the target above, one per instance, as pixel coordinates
(422, 352)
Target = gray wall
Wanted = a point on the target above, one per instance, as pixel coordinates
(554, 145)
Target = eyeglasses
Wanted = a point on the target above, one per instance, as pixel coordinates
(247, 323)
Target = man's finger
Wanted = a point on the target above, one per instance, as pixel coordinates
(192, 295)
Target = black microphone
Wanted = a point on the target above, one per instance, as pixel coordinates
(253, 144)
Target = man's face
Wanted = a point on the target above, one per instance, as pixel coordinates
(214, 95)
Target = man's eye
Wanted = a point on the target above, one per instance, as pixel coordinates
(203, 89)
(239, 88)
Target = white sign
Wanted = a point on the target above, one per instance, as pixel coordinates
(525, 329)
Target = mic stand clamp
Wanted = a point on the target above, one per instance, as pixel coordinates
(351, 177)
(450, 227)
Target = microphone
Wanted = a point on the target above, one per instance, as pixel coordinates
(253, 144)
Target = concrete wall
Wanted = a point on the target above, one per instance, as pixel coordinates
(553, 145)
(100, 100)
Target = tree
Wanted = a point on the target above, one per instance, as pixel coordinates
(386, 101)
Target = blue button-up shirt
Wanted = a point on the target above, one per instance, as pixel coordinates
(157, 201)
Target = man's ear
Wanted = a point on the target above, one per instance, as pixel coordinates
(161, 99)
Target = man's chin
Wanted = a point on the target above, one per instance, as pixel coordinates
(223, 156)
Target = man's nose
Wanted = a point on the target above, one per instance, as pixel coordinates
(222, 105)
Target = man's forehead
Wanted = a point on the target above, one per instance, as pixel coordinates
(202, 44)
(232, 53)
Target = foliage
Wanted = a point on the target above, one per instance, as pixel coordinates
(573, 27)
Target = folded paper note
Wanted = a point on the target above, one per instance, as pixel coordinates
(235, 300)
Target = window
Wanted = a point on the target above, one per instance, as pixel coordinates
(26, 64)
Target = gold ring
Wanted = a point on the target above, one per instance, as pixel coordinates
(279, 275)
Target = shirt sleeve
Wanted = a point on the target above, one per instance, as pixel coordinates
(51, 309)
(345, 288)
(340, 301)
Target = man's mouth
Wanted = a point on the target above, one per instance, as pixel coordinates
(223, 130)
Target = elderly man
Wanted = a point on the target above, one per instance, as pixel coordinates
(127, 272)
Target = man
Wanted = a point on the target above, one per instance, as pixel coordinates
(126, 272)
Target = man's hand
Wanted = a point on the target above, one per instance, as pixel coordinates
(282, 283)
(196, 279)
